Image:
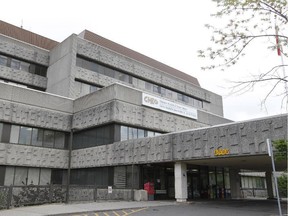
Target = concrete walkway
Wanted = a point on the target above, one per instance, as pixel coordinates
(52, 209)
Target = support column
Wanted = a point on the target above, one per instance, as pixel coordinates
(269, 184)
(235, 183)
(180, 174)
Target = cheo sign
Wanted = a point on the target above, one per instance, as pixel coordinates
(168, 106)
(150, 100)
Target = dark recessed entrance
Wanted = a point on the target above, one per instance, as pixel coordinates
(203, 182)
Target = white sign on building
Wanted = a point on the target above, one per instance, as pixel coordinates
(168, 106)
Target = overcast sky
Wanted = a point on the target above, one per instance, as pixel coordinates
(170, 31)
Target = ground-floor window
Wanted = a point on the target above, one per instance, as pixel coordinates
(20, 176)
(118, 176)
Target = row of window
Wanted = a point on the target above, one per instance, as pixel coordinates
(108, 134)
(84, 139)
(116, 74)
(85, 88)
(252, 182)
(33, 136)
(128, 133)
(94, 137)
(119, 177)
(21, 176)
(23, 65)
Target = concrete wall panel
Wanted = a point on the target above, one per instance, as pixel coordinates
(22, 50)
(243, 138)
(21, 155)
(138, 69)
(34, 116)
(23, 77)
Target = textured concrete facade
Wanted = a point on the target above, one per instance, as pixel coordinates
(21, 155)
(23, 77)
(36, 126)
(122, 104)
(117, 60)
(22, 50)
(242, 139)
(27, 107)
(26, 52)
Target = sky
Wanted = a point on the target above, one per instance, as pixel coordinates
(170, 31)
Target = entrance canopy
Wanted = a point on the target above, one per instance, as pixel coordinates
(238, 145)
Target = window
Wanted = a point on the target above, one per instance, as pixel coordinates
(59, 140)
(93, 176)
(20, 177)
(128, 133)
(40, 70)
(3, 60)
(48, 140)
(84, 88)
(24, 66)
(148, 86)
(45, 176)
(14, 135)
(37, 137)
(25, 135)
(157, 89)
(157, 134)
(124, 133)
(169, 93)
(94, 137)
(9, 176)
(1, 129)
(125, 77)
(33, 176)
(163, 91)
(132, 133)
(141, 133)
(15, 64)
(150, 133)
(58, 176)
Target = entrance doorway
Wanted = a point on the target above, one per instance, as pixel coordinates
(203, 182)
(208, 182)
(162, 177)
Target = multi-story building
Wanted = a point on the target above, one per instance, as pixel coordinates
(99, 110)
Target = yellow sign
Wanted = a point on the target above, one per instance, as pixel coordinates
(220, 152)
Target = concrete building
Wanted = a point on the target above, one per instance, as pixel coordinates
(89, 111)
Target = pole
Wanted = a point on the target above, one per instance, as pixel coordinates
(270, 152)
(69, 166)
(132, 185)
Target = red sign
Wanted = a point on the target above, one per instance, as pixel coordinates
(149, 187)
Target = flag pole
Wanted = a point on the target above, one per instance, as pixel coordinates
(270, 153)
(278, 47)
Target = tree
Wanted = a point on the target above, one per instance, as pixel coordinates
(280, 149)
(248, 21)
(280, 155)
(282, 184)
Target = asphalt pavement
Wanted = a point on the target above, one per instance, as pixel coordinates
(155, 208)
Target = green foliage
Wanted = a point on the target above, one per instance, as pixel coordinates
(282, 184)
(2, 199)
(280, 149)
(35, 195)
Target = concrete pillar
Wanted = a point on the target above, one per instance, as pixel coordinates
(235, 183)
(269, 184)
(180, 173)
